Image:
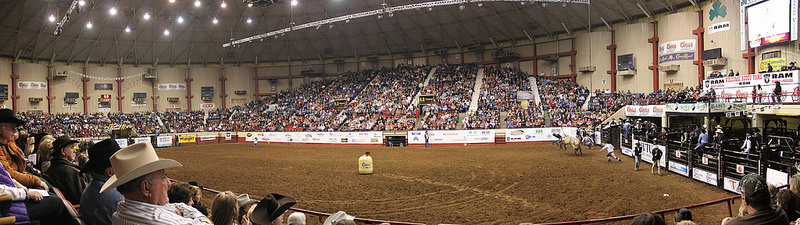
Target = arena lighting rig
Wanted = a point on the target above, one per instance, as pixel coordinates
(380, 12)
(76, 5)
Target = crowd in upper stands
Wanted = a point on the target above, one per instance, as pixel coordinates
(383, 99)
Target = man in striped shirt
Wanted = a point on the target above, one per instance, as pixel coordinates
(140, 176)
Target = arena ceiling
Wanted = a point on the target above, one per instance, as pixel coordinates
(27, 32)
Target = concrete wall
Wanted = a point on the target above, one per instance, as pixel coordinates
(592, 51)
(675, 27)
(632, 38)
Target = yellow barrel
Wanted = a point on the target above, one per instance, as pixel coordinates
(365, 165)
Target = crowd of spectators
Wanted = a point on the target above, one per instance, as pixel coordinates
(90, 125)
(452, 87)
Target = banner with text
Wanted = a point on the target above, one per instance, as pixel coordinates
(172, 87)
(31, 85)
(538, 134)
(183, 139)
(452, 136)
(372, 137)
(163, 141)
(645, 110)
(677, 50)
(742, 86)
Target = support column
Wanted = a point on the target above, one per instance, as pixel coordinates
(14, 77)
(613, 54)
(189, 95)
(255, 81)
(751, 60)
(572, 62)
(155, 95)
(49, 96)
(222, 94)
(654, 67)
(701, 74)
(85, 92)
(535, 61)
(119, 89)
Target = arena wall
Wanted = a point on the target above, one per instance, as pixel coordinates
(168, 76)
(137, 84)
(632, 38)
(592, 51)
(677, 27)
(727, 40)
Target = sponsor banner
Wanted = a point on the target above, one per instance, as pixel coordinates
(742, 86)
(777, 178)
(228, 136)
(776, 63)
(171, 87)
(141, 139)
(534, 134)
(103, 86)
(704, 107)
(645, 110)
(68, 104)
(31, 85)
(207, 137)
(676, 57)
(525, 95)
(686, 45)
(626, 151)
(163, 141)
(207, 106)
(647, 152)
(679, 168)
(719, 27)
(452, 136)
(704, 176)
(138, 104)
(730, 184)
(374, 137)
(182, 139)
(122, 142)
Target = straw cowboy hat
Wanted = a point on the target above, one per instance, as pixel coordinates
(135, 161)
(271, 207)
(341, 215)
(244, 199)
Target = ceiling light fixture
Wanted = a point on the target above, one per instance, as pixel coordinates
(127, 29)
(112, 11)
(380, 16)
(480, 4)
(391, 14)
(166, 32)
(564, 5)
(180, 19)
(171, 1)
(250, 5)
(249, 20)
(197, 3)
(430, 9)
(89, 25)
(461, 7)
(223, 4)
(146, 16)
(81, 2)
(215, 21)
(347, 21)
(52, 18)
(294, 2)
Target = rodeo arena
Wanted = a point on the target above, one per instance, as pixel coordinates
(341, 112)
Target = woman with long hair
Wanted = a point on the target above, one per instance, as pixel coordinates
(224, 209)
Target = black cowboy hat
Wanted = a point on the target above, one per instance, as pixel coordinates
(7, 116)
(99, 155)
(60, 143)
(271, 207)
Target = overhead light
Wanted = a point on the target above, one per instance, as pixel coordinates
(127, 29)
(166, 32)
(522, 3)
(294, 2)
(249, 20)
(391, 14)
(564, 4)
(544, 4)
(89, 25)
(171, 1)
(380, 16)
(347, 21)
(81, 2)
(318, 26)
(112, 11)
(430, 9)
(461, 7)
(250, 5)
(52, 18)
(223, 4)
(197, 3)
(644, 11)
(146, 16)
(330, 26)
(215, 21)
(480, 4)
(180, 19)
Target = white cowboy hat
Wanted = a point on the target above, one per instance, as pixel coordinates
(135, 161)
(341, 215)
(244, 199)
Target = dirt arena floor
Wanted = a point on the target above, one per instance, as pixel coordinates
(497, 184)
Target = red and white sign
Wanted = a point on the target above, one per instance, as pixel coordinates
(207, 106)
(705, 161)
(677, 154)
(730, 184)
(645, 110)
(739, 168)
(32, 85)
(171, 87)
(741, 86)
(687, 45)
